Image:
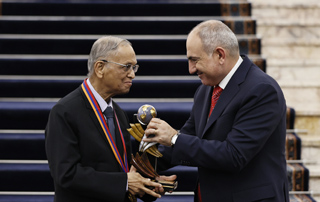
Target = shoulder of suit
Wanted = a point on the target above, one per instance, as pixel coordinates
(71, 98)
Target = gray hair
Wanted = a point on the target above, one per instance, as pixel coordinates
(104, 47)
(214, 33)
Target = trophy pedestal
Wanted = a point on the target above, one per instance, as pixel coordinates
(144, 167)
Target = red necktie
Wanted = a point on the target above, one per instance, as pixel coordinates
(215, 96)
(198, 194)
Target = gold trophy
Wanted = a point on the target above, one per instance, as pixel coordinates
(141, 162)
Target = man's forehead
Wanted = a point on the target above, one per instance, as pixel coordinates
(194, 50)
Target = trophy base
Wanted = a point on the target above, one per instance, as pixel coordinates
(169, 186)
(144, 167)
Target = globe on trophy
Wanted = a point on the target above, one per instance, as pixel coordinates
(146, 113)
(141, 162)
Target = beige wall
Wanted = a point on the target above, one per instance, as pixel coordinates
(290, 33)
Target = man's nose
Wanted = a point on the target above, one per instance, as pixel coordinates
(131, 74)
(192, 68)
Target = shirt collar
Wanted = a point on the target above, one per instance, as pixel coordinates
(102, 103)
(226, 79)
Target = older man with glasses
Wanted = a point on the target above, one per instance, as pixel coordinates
(87, 143)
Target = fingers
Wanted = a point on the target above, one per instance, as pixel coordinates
(152, 184)
(157, 186)
(167, 178)
(156, 120)
(137, 185)
(162, 132)
(151, 135)
(154, 126)
(149, 183)
(155, 123)
(160, 190)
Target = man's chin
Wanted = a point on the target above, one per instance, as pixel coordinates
(125, 91)
(206, 83)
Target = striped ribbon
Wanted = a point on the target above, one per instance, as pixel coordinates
(104, 126)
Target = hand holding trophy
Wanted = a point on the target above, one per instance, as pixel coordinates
(142, 163)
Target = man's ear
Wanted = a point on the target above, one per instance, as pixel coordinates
(98, 67)
(221, 54)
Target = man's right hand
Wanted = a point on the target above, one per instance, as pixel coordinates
(137, 184)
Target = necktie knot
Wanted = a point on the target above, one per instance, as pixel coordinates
(216, 92)
(108, 112)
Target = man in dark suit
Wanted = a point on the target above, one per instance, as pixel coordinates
(239, 148)
(88, 155)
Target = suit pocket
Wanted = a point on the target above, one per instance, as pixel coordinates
(254, 194)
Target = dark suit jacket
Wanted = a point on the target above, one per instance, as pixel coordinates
(240, 150)
(81, 161)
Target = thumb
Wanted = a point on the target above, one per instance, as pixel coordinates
(133, 169)
(168, 178)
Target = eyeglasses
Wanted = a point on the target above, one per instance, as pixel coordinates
(126, 67)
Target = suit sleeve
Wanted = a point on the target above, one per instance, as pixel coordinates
(252, 121)
(64, 157)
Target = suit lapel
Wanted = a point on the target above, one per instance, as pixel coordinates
(205, 110)
(225, 97)
(95, 119)
(228, 93)
(98, 126)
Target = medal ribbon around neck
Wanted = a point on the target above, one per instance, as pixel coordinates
(104, 126)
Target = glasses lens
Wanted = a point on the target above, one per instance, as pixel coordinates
(135, 68)
(128, 67)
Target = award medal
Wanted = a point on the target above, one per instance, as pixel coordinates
(104, 126)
